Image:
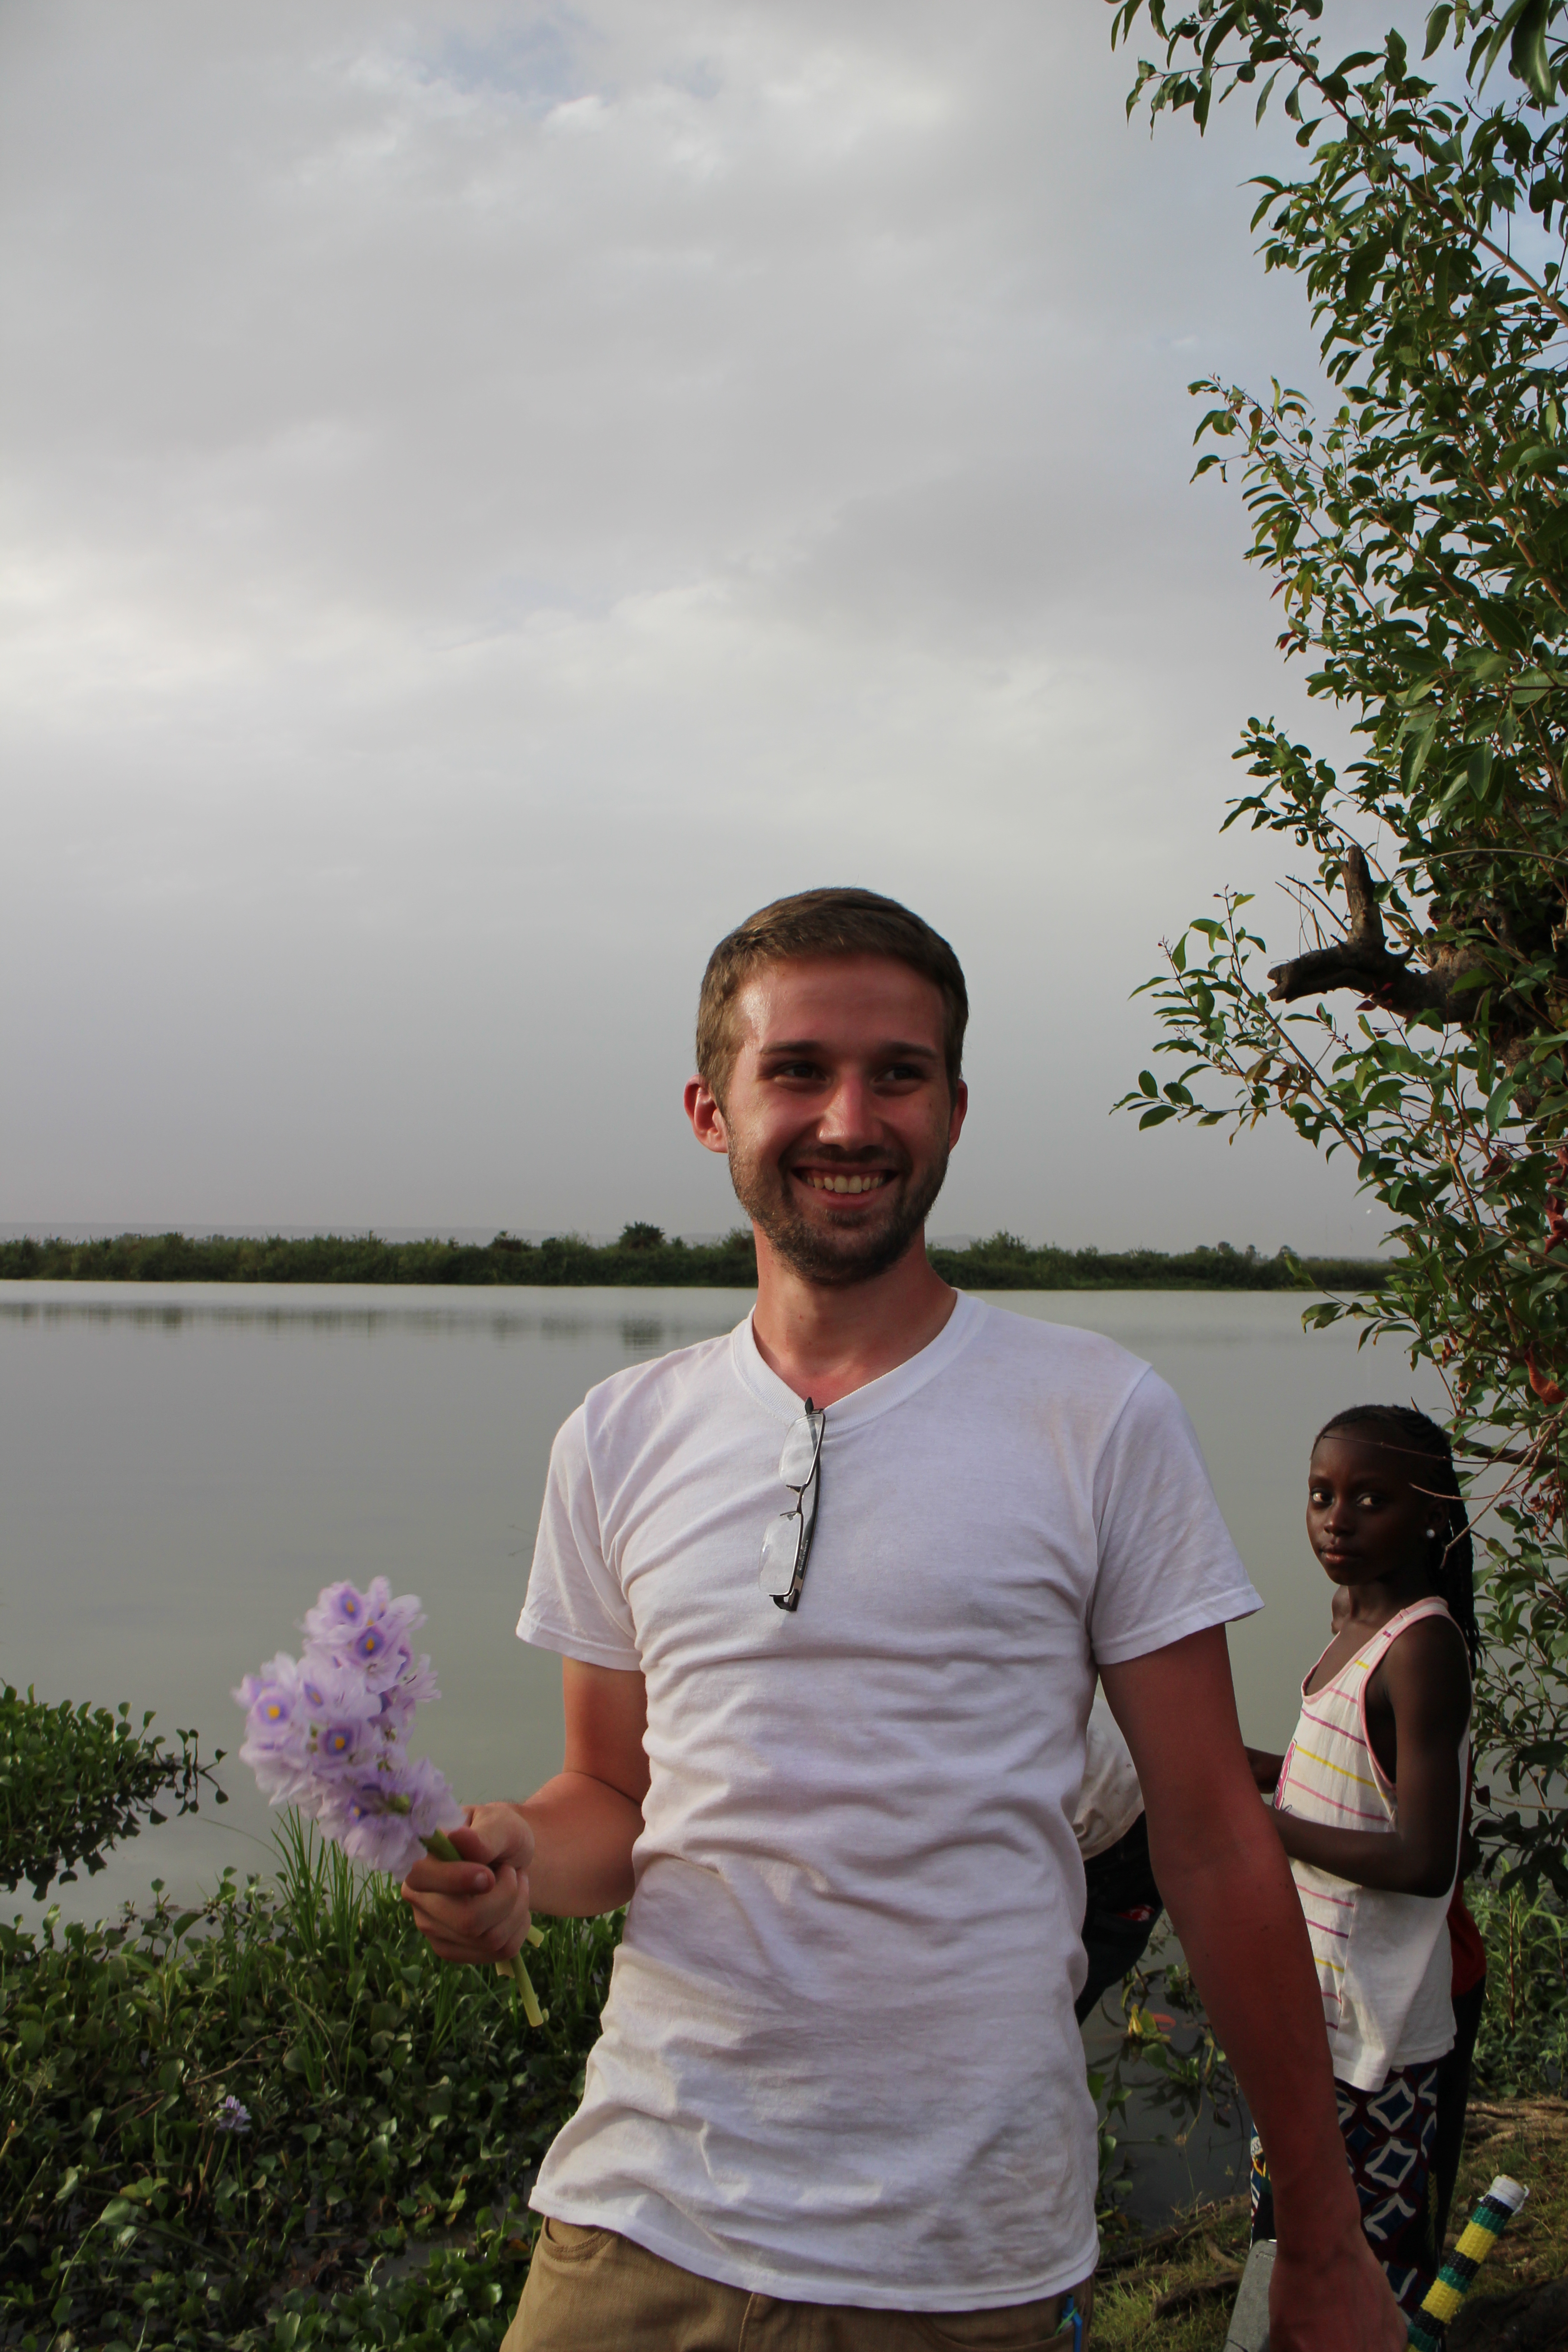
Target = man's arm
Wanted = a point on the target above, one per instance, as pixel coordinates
(1228, 1890)
(567, 1850)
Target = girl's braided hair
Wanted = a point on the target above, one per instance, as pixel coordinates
(1405, 1430)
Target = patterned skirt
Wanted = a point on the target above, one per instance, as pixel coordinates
(1388, 2137)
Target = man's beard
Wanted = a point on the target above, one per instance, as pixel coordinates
(861, 1250)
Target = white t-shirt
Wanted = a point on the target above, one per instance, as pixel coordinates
(839, 2062)
(1111, 1800)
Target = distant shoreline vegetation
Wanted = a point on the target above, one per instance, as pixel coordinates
(645, 1256)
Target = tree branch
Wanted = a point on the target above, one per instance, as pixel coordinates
(1363, 960)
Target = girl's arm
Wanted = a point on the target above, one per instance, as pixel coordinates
(1428, 1686)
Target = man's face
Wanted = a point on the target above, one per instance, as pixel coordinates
(836, 1117)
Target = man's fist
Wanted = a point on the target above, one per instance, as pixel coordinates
(477, 1909)
(1337, 2301)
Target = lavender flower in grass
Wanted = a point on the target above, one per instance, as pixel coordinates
(328, 1732)
(233, 2116)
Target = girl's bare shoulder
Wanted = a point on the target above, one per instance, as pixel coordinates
(1428, 1656)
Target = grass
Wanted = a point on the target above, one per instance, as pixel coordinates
(1177, 2288)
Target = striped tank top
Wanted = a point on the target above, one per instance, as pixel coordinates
(1383, 1960)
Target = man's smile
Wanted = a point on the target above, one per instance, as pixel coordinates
(866, 1180)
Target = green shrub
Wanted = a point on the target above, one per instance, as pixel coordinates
(1522, 2045)
(74, 1780)
(219, 2128)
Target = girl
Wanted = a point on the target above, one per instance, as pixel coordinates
(1369, 1799)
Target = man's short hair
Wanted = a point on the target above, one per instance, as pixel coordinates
(844, 922)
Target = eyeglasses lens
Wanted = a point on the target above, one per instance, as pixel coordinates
(799, 1456)
(783, 1545)
(780, 1550)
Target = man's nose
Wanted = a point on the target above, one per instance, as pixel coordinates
(849, 1118)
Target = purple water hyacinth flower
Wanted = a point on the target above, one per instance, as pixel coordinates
(328, 1689)
(283, 1780)
(233, 2116)
(342, 1748)
(414, 1684)
(277, 1728)
(341, 1610)
(366, 1631)
(385, 1818)
(305, 1721)
(328, 1734)
(272, 1701)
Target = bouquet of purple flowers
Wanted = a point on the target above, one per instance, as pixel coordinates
(328, 1734)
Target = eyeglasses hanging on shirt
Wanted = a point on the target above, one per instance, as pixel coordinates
(787, 1543)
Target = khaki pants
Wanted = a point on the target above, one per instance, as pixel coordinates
(592, 2291)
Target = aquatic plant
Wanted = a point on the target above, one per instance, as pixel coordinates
(275, 2118)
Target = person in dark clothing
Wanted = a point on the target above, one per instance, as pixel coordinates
(1122, 1903)
(1120, 1915)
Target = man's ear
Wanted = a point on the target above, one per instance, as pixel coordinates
(706, 1113)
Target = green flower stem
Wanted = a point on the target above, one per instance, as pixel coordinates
(526, 1993)
(440, 1845)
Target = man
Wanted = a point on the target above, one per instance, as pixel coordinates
(831, 1594)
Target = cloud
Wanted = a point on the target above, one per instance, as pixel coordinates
(495, 493)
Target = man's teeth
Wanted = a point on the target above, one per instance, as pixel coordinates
(866, 1183)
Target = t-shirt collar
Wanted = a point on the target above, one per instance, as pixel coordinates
(878, 1396)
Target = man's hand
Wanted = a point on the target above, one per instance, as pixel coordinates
(568, 1849)
(477, 1909)
(1338, 2304)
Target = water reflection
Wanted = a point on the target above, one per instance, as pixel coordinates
(639, 1334)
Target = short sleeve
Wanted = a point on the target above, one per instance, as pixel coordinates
(574, 1602)
(1167, 1566)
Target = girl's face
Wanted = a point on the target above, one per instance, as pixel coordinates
(1366, 1518)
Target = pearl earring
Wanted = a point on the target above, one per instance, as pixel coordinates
(1432, 1532)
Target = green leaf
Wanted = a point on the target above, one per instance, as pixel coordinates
(1527, 51)
(1364, 265)
(1499, 1103)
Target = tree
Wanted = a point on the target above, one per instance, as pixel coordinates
(1418, 535)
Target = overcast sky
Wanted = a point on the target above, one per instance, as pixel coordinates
(494, 493)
